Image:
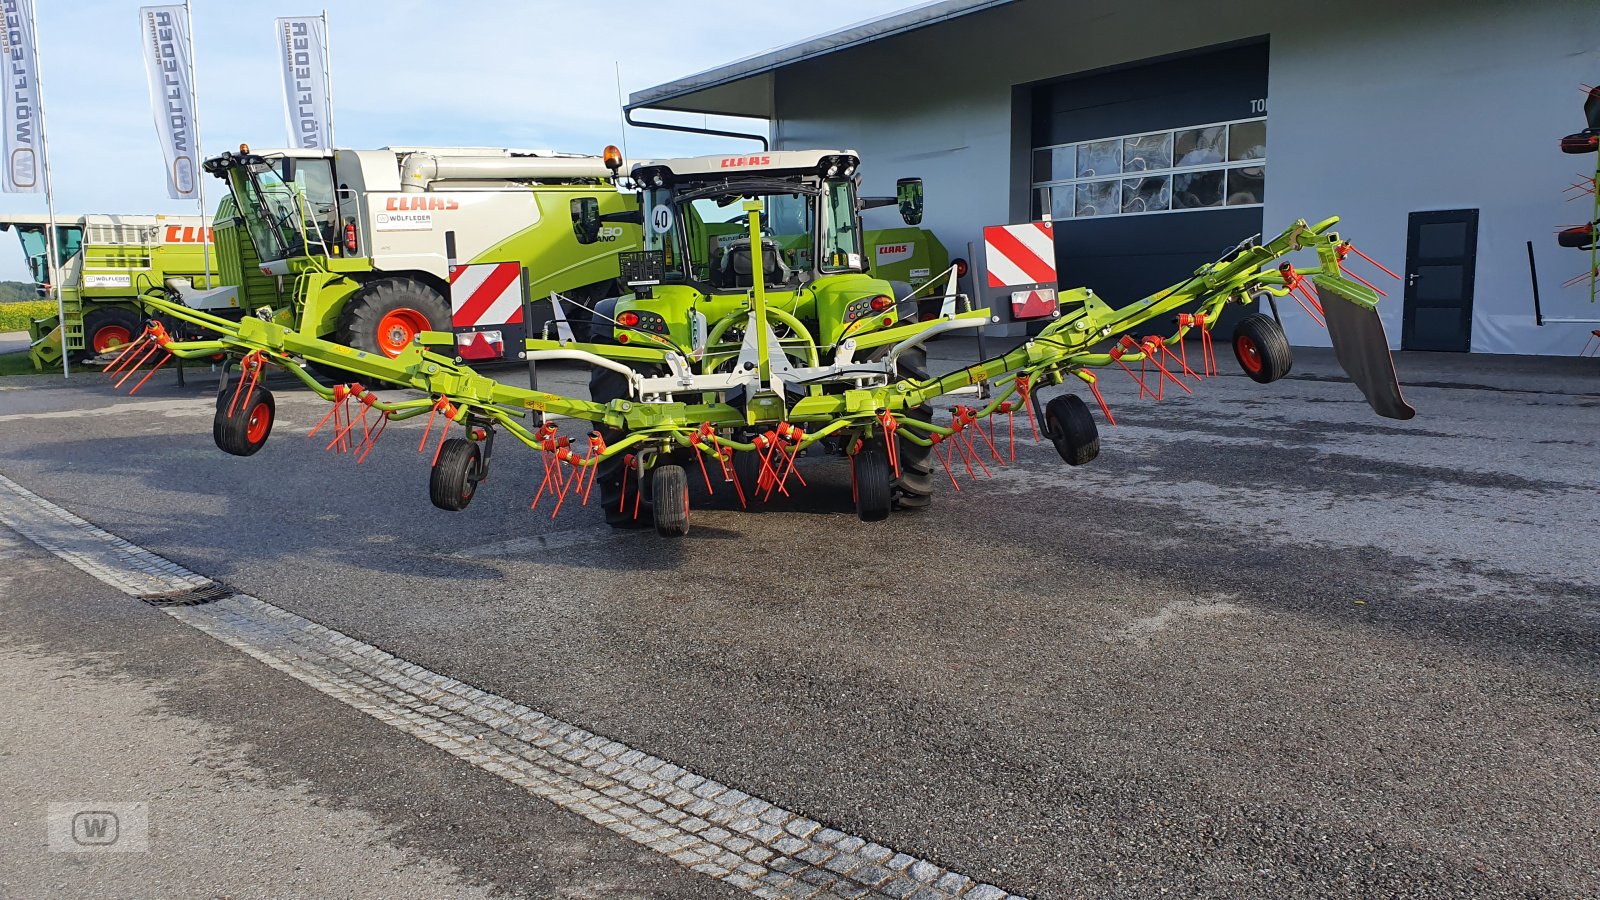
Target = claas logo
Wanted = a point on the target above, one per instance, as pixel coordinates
(886, 249)
(397, 204)
(185, 234)
(733, 162)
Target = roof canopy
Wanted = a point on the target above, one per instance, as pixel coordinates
(744, 87)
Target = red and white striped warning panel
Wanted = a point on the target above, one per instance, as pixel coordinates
(485, 294)
(1020, 255)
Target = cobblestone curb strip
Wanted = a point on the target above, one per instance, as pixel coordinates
(701, 823)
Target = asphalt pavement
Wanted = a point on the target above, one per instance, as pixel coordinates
(1267, 644)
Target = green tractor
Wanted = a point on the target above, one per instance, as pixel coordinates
(754, 270)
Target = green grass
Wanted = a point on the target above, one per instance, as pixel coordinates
(15, 316)
(16, 364)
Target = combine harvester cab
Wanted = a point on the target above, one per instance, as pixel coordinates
(753, 332)
(364, 244)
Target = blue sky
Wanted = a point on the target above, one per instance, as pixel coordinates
(518, 74)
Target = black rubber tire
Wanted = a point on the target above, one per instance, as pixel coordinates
(1072, 429)
(107, 317)
(247, 428)
(1261, 348)
(669, 494)
(747, 468)
(914, 488)
(362, 313)
(872, 479)
(454, 477)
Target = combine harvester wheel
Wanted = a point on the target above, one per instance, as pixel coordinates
(241, 426)
(455, 475)
(1261, 348)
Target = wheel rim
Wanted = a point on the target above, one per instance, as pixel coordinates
(110, 337)
(1249, 353)
(398, 328)
(255, 430)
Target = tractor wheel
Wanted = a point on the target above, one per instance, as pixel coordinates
(243, 431)
(384, 316)
(914, 488)
(669, 493)
(872, 488)
(1072, 429)
(454, 478)
(1262, 350)
(107, 330)
(619, 488)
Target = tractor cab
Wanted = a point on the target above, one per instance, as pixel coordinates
(718, 228)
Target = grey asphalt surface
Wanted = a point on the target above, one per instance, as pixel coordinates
(1267, 644)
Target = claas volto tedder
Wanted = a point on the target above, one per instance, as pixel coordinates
(753, 332)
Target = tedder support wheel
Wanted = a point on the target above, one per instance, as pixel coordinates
(669, 492)
(1261, 348)
(455, 476)
(871, 482)
(1072, 429)
(384, 316)
(245, 429)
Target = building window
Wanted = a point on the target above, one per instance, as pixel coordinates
(1181, 170)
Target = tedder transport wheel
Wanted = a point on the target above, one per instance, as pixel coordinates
(1261, 348)
(1072, 429)
(384, 316)
(244, 431)
(669, 491)
(871, 483)
(454, 478)
(914, 488)
(108, 328)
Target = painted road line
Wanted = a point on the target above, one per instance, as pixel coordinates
(699, 822)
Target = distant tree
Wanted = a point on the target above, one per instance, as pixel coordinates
(18, 291)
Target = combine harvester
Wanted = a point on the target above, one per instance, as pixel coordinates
(733, 355)
(106, 262)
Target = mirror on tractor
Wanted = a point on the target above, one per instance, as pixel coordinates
(908, 193)
(586, 219)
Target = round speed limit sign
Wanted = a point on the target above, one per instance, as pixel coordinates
(661, 219)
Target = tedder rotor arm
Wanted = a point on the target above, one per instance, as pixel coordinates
(1087, 334)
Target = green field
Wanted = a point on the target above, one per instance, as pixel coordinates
(15, 316)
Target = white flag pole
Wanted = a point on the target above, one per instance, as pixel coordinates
(327, 76)
(199, 157)
(53, 237)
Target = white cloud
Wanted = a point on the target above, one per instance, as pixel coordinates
(528, 74)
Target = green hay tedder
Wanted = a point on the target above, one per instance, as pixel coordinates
(754, 333)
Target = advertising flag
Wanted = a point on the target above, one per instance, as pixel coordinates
(167, 60)
(303, 51)
(24, 146)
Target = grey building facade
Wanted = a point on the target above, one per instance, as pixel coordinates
(1157, 134)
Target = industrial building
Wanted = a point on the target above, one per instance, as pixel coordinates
(1157, 134)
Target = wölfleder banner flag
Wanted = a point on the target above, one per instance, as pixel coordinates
(167, 54)
(24, 163)
(303, 50)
